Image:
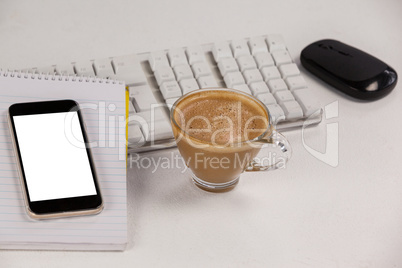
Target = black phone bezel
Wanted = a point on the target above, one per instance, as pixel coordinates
(62, 205)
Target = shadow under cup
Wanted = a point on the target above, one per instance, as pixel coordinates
(215, 162)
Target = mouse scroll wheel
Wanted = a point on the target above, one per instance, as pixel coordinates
(323, 46)
(344, 53)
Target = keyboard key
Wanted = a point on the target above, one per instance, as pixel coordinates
(32, 70)
(201, 69)
(281, 57)
(84, 68)
(276, 85)
(227, 65)
(307, 101)
(257, 45)
(170, 102)
(239, 48)
(157, 126)
(45, 70)
(221, 50)
(66, 69)
(183, 71)
(292, 110)
(251, 76)
(264, 59)
(103, 68)
(295, 82)
(128, 69)
(143, 97)
(242, 87)
(287, 70)
(235, 78)
(195, 54)
(170, 89)
(283, 96)
(207, 82)
(135, 137)
(259, 88)
(176, 57)
(164, 74)
(246, 63)
(158, 59)
(161, 130)
(188, 85)
(267, 98)
(131, 109)
(269, 73)
(276, 112)
(275, 42)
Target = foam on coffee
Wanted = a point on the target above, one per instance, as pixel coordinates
(221, 117)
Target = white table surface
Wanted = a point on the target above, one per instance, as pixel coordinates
(309, 214)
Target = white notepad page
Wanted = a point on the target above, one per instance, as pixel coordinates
(103, 108)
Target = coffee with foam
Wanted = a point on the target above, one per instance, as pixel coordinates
(214, 130)
(221, 117)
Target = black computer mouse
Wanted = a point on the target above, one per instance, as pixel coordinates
(349, 69)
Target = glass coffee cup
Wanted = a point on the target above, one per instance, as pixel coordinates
(219, 133)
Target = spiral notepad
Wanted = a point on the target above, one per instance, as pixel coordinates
(103, 108)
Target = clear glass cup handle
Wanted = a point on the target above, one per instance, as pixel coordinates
(281, 144)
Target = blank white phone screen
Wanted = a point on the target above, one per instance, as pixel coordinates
(55, 167)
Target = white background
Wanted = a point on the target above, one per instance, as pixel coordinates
(308, 215)
(54, 167)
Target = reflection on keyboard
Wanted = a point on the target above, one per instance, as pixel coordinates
(261, 66)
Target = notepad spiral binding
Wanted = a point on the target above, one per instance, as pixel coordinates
(54, 77)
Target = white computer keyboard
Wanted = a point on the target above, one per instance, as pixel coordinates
(261, 66)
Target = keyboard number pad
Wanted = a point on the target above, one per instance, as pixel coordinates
(262, 66)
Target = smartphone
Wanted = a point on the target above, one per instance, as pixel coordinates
(55, 163)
